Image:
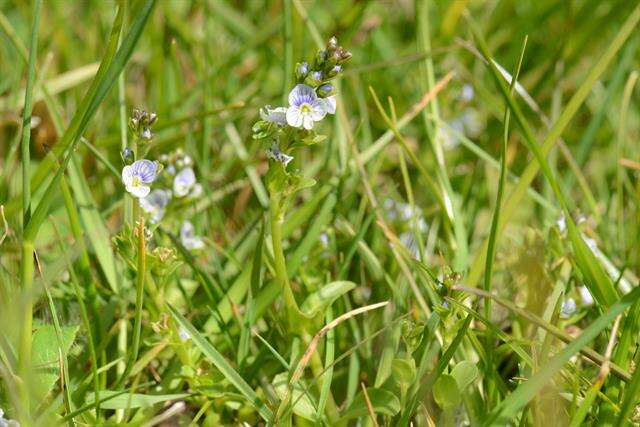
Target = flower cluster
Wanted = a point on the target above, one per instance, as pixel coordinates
(312, 98)
(141, 122)
(177, 185)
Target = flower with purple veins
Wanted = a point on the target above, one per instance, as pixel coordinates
(184, 182)
(274, 153)
(138, 176)
(155, 203)
(188, 237)
(276, 115)
(305, 107)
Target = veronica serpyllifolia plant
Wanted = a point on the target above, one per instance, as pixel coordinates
(285, 129)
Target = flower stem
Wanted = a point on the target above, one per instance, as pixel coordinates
(137, 324)
(276, 212)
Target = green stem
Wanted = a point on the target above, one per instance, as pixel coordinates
(137, 324)
(276, 212)
(24, 362)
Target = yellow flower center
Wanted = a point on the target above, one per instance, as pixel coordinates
(135, 182)
(305, 108)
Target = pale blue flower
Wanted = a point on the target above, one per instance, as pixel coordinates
(4, 422)
(155, 203)
(188, 237)
(329, 104)
(409, 241)
(138, 176)
(585, 296)
(305, 107)
(275, 115)
(467, 93)
(568, 308)
(183, 182)
(274, 153)
(184, 334)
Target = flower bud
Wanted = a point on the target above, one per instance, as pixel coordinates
(127, 156)
(325, 90)
(302, 69)
(314, 78)
(332, 44)
(321, 57)
(345, 55)
(337, 69)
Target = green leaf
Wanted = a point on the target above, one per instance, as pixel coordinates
(118, 400)
(404, 371)
(596, 279)
(383, 402)
(223, 366)
(45, 355)
(446, 392)
(464, 373)
(325, 296)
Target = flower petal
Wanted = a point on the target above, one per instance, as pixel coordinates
(307, 121)
(329, 104)
(127, 175)
(139, 191)
(183, 182)
(302, 94)
(146, 170)
(294, 117)
(318, 111)
(274, 115)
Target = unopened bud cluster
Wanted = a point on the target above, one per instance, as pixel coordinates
(141, 122)
(326, 66)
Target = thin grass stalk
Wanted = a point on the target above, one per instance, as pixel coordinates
(493, 234)
(27, 268)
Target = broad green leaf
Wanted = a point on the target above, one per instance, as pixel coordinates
(404, 371)
(45, 355)
(446, 392)
(325, 296)
(464, 373)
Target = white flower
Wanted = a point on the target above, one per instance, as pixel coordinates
(305, 107)
(568, 308)
(585, 296)
(274, 153)
(4, 422)
(137, 177)
(409, 241)
(276, 115)
(196, 191)
(329, 104)
(155, 202)
(562, 224)
(466, 94)
(183, 182)
(188, 237)
(183, 334)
